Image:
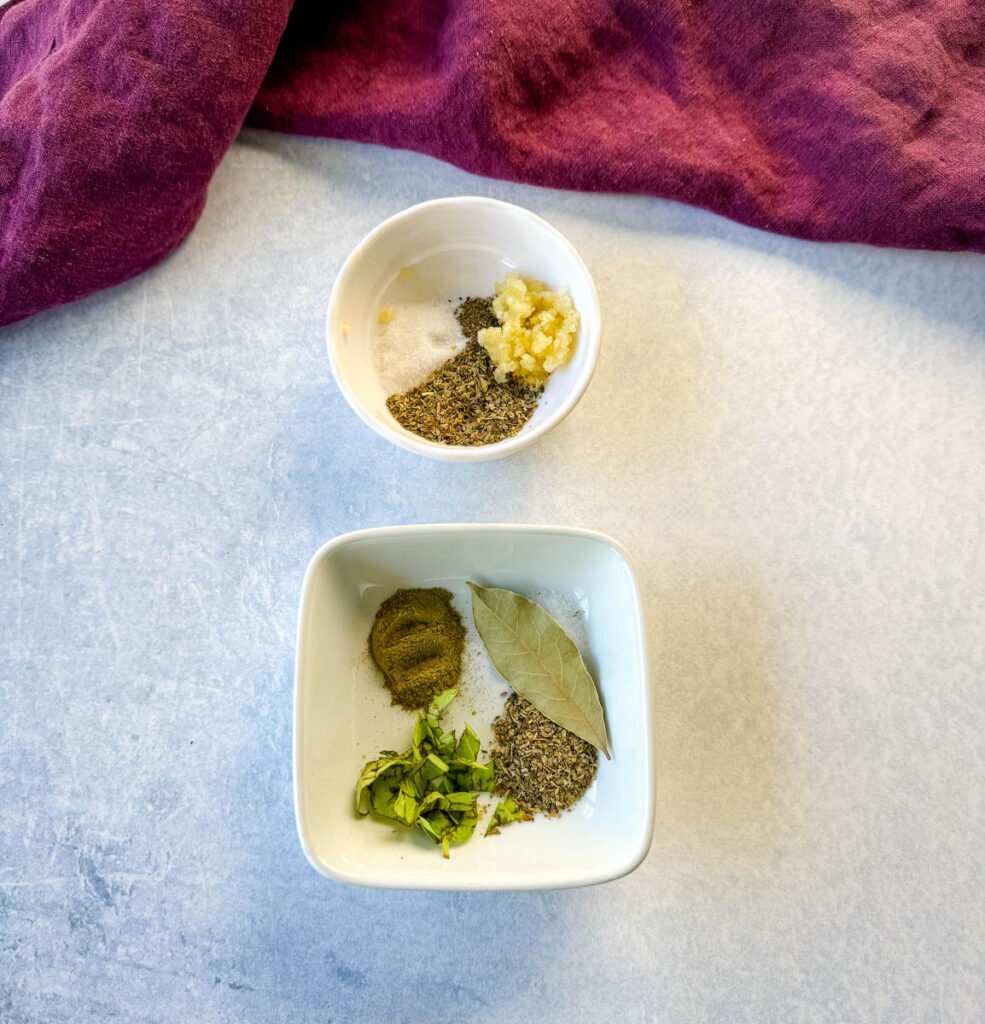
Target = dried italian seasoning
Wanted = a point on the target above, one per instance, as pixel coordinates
(541, 765)
(462, 403)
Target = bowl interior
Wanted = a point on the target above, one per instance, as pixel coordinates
(449, 250)
(344, 716)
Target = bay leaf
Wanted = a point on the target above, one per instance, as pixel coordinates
(540, 661)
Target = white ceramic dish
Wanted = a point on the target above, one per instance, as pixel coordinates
(343, 716)
(454, 247)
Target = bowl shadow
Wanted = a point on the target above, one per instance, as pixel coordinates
(722, 778)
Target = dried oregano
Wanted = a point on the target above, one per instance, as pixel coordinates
(462, 403)
(541, 765)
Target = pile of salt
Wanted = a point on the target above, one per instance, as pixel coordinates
(413, 340)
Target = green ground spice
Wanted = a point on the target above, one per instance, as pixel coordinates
(417, 641)
(538, 763)
(462, 403)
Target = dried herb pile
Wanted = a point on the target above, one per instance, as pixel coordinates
(462, 403)
(541, 765)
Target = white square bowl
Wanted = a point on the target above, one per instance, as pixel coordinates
(343, 715)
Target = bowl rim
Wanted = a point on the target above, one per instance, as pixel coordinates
(463, 453)
(634, 857)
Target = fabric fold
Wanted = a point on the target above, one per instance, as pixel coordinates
(113, 117)
(836, 120)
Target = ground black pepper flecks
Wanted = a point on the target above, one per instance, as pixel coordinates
(474, 315)
(538, 763)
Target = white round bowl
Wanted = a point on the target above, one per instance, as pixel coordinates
(455, 247)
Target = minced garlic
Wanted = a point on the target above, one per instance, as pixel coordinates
(537, 329)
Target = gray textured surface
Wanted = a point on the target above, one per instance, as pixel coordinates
(789, 440)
